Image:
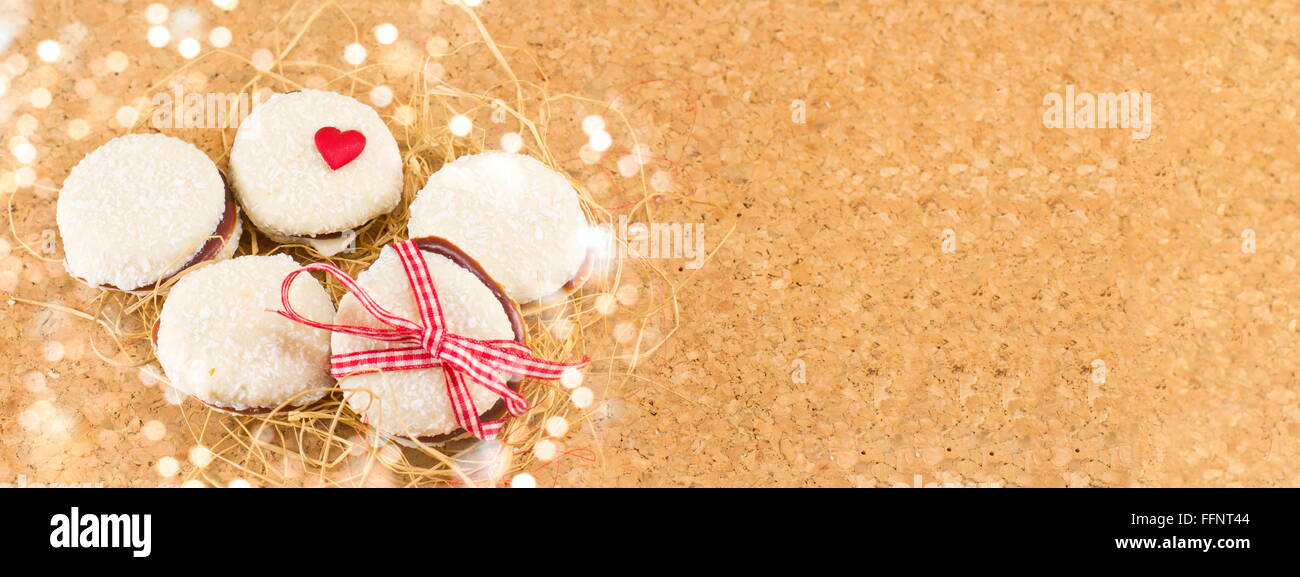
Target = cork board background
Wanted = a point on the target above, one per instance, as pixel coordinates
(924, 286)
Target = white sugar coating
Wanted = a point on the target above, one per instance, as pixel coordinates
(414, 403)
(226, 251)
(285, 185)
(514, 215)
(218, 340)
(135, 210)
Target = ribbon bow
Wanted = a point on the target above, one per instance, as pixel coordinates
(461, 357)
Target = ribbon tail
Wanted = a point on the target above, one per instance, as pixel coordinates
(514, 358)
(463, 406)
(492, 428)
(462, 360)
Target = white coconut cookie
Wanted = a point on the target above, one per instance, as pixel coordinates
(412, 406)
(218, 341)
(513, 214)
(141, 208)
(312, 166)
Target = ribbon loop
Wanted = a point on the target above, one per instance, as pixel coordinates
(463, 359)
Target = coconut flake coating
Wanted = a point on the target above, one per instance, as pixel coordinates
(514, 215)
(135, 210)
(414, 403)
(285, 186)
(218, 340)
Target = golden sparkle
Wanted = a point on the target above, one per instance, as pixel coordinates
(117, 61)
(158, 36)
(624, 332)
(600, 141)
(15, 64)
(220, 37)
(154, 430)
(512, 142)
(40, 98)
(460, 125)
(588, 154)
(661, 181)
(641, 153)
(200, 456)
(571, 379)
(628, 166)
(168, 467)
(156, 13)
(33, 381)
(404, 115)
(85, 88)
(49, 50)
(605, 304)
(78, 129)
(627, 295)
(354, 54)
(434, 72)
(263, 59)
(557, 426)
(26, 124)
(189, 48)
(381, 96)
(127, 116)
(25, 176)
(546, 449)
(582, 397)
(386, 33)
(437, 46)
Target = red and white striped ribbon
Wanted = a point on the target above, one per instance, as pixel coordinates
(461, 358)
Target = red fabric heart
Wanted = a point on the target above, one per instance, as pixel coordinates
(339, 148)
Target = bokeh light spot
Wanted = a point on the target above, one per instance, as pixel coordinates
(220, 37)
(512, 142)
(460, 125)
(386, 33)
(49, 50)
(158, 36)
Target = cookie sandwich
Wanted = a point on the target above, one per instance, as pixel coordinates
(219, 341)
(311, 167)
(519, 218)
(427, 347)
(142, 208)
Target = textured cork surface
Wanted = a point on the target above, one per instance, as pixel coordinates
(925, 284)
